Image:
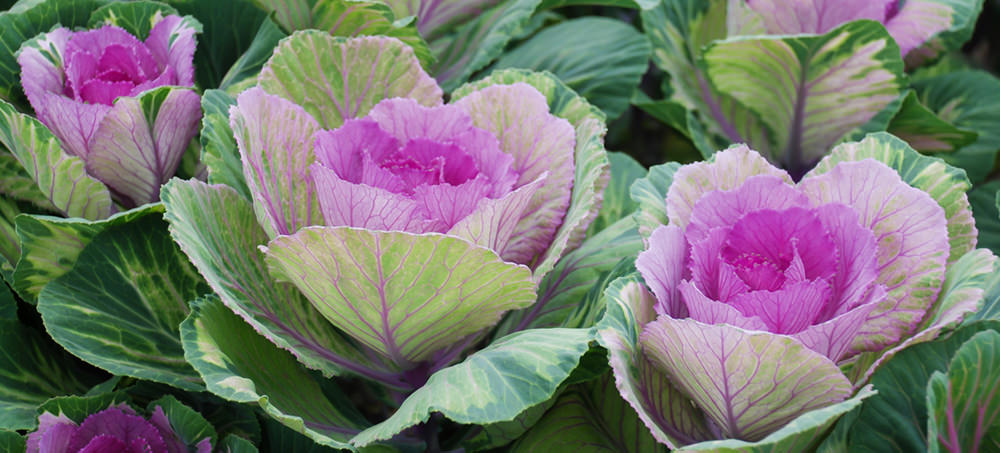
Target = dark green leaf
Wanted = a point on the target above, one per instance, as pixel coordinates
(135, 17)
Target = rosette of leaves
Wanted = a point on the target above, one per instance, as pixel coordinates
(762, 308)
(793, 78)
(384, 237)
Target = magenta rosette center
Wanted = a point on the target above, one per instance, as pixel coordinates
(115, 429)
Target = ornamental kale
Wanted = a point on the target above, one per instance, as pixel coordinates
(772, 300)
(117, 428)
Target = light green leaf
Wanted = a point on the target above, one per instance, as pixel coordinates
(245, 69)
(617, 202)
(946, 184)
(650, 193)
(602, 59)
(969, 100)
(895, 420)
(10, 248)
(50, 245)
(61, 177)
(120, 305)
(218, 231)
(495, 384)
(32, 370)
(368, 18)
(328, 76)
(590, 418)
(925, 131)
(963, 405)
(16, 184)
(241, 366)
(137, 17)
(218, 146)
(810, 91)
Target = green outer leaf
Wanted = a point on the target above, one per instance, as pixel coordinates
(895, 420)
(229, 28)
(246, 68)
(986, 210)
(476, 43)
(366, 18)
(120, 305)
(21, 23)
(602, 59)
(218, 231)
(189, 425)
(327, 75)
(218, 145)
(12, 441)
(8, 304)
(236, 444)
(796, 84)
(963, 405)
(32, 370)
(136, 17)
(77, 408)
(650, 193)
(969, 100)
(590, 157)
(962, 22)
(406, 296)
(10, 249)
(240, 365)
(50, 245)
(588, 418)
(802, 434)
(61, 177)
(16, 184)
(925, 131)
(946, 184)
(495, 384)
(617, 202)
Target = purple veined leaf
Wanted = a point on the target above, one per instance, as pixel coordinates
(668, 414)
(813, 16)
(407, 296)
(139, 143)
(911, 232)
(335, 79)
(172, 40)
(926, 29)
(540, 143)
(662, 266)
(493, 223)
(963, 404)
(217, 229)
(275, 140)
(345, 203)
(435, 16)
(748, 383)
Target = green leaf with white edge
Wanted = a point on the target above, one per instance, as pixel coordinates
(590, 418)
(406, 296)
(137, 17)
(925, 131)
(602, 59)
(51, 245)
(12, 441)
(239, 365)
(218, 231)
(189, 425)
(991, 300)
(476, 43)
(229, 28)
(26, 20)
(964, 405)
(805, 433)
(278, 437)
(218, 145)
(946, 184)
(956, 28)
(236, 444)
(895, 420)
(33, 370)
(969, 100)
(328, 76)
(617, 202)
(589, 157)
(495, 384)
(650, 193)
(120, 305)
(810, 91)
(986, 210)
(77, 408)
(16, 183)
(246, 68)
(562, 290)
(62, 178)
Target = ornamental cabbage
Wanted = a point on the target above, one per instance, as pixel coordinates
(119, 104)
(117, 428)
(386, 232)
(772, 299)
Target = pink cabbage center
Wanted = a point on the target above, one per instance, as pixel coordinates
(108, 62)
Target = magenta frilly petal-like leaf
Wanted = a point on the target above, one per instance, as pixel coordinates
(172, 43)
(748, 383)
(493, 222)
(725, 207)
(518, 115)
(662, 266)
(346, 203)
